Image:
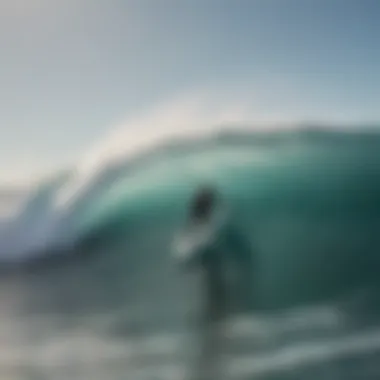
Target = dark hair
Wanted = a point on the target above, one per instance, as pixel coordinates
(203, 203)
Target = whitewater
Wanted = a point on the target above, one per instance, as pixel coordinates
(90, 290)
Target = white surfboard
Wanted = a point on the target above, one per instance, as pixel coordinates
(196, 237)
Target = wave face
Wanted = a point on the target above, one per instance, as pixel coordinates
(308, 202)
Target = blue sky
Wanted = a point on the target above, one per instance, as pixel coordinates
(70, 70)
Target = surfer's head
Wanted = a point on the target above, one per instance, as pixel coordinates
(203, 203)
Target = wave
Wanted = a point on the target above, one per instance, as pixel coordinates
(304, 197)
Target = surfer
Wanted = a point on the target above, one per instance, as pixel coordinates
(202, 214)
(213, 286)
(206, 247)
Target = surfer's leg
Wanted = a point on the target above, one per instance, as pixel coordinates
(212, 329)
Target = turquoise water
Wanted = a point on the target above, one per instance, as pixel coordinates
(97, 294)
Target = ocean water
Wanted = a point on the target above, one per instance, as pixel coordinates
(89, 288)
